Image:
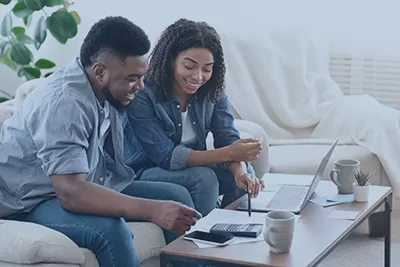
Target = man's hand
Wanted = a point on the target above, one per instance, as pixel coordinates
(174, 216)
(249, 183)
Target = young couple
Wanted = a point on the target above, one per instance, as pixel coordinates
(64, 154)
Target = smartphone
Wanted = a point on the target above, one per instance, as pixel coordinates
(210, 238)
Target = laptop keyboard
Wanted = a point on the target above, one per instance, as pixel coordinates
(287, 198)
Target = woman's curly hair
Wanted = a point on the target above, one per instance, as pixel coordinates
(180, 36)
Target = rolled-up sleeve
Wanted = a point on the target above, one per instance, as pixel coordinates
(149, 130)
(60, 129)
(222, 126)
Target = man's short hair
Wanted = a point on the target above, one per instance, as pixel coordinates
(116, 36)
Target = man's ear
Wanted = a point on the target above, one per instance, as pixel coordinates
(99, 70)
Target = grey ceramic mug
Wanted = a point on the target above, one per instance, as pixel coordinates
(279, 230)
(343, 175)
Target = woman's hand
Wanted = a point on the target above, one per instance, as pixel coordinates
(246, 150)
(249, 183)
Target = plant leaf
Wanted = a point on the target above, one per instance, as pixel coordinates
(34, 4)
(76, 17)
(6, 25)
(51, 3)
(5, 2)
(3, 99)
(20, 54)
(6, 59)
(40, 32)
(30, 72)
(28, 20)
(18, 31)
(62, 26)
(3, 47)
(21, 10)
(25, 39)
(44, 64)
(48, 74)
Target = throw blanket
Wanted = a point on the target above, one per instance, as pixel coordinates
(282, 83)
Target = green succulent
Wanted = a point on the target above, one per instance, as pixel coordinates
(362, 177)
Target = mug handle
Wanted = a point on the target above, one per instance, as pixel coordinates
(267, 237)
(333, 174)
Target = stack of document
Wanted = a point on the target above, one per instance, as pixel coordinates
(229, 216)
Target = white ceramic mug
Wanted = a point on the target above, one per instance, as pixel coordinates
(343, 175)
(279, 230)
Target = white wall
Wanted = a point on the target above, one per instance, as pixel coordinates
(361, 21)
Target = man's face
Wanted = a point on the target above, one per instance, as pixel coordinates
(121, 80)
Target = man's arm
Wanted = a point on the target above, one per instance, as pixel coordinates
(77, 195)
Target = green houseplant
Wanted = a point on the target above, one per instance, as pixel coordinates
(361, 186)
(16, 44)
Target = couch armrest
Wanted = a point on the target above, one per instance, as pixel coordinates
(248, 128)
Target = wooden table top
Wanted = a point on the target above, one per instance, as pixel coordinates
(315, 234)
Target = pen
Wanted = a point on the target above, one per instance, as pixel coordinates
(248, 202)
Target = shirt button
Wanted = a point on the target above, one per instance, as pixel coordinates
(101, 111)
(178, 106)
(101, 179)
(179, 124)
(189, 105)
(194, 123)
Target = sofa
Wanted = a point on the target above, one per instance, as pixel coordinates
(27, 244)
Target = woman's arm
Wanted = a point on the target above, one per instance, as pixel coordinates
(149, 130)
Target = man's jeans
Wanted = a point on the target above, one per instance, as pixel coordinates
(204, 184)
(108, 238)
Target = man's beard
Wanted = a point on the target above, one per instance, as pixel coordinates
(113, 101)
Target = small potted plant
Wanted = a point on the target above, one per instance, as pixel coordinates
(361, 186)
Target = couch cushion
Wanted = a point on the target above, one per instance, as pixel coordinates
(7, 264)
(148, 241)
(29, 243)
(305, 159)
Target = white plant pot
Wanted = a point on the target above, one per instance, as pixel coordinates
(361, 193)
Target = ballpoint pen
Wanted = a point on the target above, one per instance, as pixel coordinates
(248, 201)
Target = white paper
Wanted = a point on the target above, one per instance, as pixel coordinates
(229, 216)
(286, 179)
(343, 214)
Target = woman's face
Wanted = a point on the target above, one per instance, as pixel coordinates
(192, 68)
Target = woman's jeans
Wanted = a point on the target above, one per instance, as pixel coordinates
(205, 184)
(108, 238)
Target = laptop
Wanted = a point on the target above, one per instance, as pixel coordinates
(287, 192)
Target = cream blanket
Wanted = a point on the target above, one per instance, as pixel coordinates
(282, 83)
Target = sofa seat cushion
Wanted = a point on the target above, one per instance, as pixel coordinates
(28, 243)
(305, 159)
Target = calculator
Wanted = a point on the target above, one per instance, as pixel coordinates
(243, 230)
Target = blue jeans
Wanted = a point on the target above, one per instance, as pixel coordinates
(108, 238)
(204, 184)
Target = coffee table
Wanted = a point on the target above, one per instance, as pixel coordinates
(316, 235)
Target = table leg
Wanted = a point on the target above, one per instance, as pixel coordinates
(388, 212)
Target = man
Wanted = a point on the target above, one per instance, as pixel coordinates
(61, 154)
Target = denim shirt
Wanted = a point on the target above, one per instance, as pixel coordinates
(57, 131)
(153, 129)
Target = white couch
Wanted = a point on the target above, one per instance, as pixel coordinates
(26, 244)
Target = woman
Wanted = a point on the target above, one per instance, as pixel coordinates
(183, 100)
